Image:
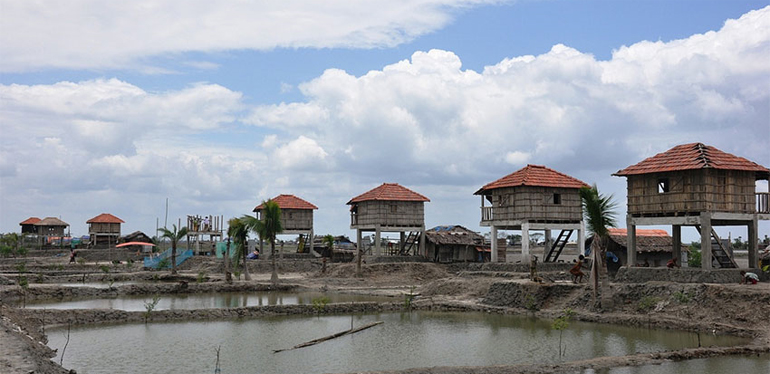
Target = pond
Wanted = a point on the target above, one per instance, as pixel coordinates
(404, 340)
(204, 300)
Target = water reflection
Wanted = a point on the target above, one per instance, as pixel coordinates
(204, 301)
(405, 340)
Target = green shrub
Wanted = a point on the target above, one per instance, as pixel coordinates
(647, 303)
(530, 303)
(319, 303)
(693, 259)
(682, 297)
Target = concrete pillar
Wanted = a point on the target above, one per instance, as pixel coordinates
(401, 242)
(705, 240)
(423, 251)
(631, 239)
(676, 234)
(493, 240)
(377, 246)
(525, 243)
(547, 245)
(753, 239)
(581, 238)
(359, 251)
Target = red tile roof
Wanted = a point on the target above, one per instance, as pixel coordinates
(639, 232)
(534, 175)
(30, 221)
(52, 221)
(289, 202)
(691, 157)
(389, 192)
(105, 218)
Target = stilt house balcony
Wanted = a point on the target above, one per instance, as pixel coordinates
(763, 202)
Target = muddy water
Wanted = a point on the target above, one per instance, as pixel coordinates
(204, 300)
(405, 340)
(731, 364)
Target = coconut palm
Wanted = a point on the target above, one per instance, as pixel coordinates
(174, 236)
(599, 213)
(267, 228)
(328, 241)
(238, 230)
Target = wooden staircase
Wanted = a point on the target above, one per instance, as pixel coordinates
(719, 252)
(558, 246)
(410, 244)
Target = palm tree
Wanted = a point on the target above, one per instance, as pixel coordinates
(328, 241)
(238, 230)
(600, 216)
(267, 228)
(174, 236)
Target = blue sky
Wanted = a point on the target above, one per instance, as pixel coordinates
(113, 108)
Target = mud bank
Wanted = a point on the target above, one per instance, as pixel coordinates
(44, 292)
(594, 363)
(682, 275)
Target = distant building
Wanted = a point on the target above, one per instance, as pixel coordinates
(653, 247)
(296, 217)
(390, 208)
(104, 229)
(455, 244)
(28, 225)
(49, 228)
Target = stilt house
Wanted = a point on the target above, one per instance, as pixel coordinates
(390, 208)
(50, 227)
(28, 225)
(534, 198)
(104, 229)
(701, 186)
(204, 228)
(296, 217)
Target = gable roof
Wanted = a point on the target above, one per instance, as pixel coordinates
(389, 192)
(51, 221)
(453, 235)
(105, 218)
(646, 240)
(30, 221)
(289, 202)
(693, 156)
(534, 175)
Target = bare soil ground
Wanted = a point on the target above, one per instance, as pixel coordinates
(715, 308)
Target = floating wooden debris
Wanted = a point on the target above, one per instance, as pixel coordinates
(330, 337)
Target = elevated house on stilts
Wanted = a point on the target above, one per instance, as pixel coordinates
(390, 208)
(104, 230)
(700, 186)
(534, 198)
(204, 229)
(296, 218)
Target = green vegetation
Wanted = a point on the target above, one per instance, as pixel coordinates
(599, 212)
(149, 306)
(164, 264)
(647, 303)
(682, 297)
(202, 275)
(319, 303)
(267, 228)
(694, 258)
(560, 324)
(239, 231)
(174, 236)
(530, 303)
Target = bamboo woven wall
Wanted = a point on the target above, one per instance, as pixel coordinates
(536, 204)
(390, 213)
(297, 219)
(104, 228)
(692, 191)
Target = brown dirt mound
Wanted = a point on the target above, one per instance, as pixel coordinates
(417, 272)
(457, 287)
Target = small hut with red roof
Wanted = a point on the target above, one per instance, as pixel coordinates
(104, 229)
(390, 208)
(696, 185)
(534, 198)
(28, 225)
(296, 217)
